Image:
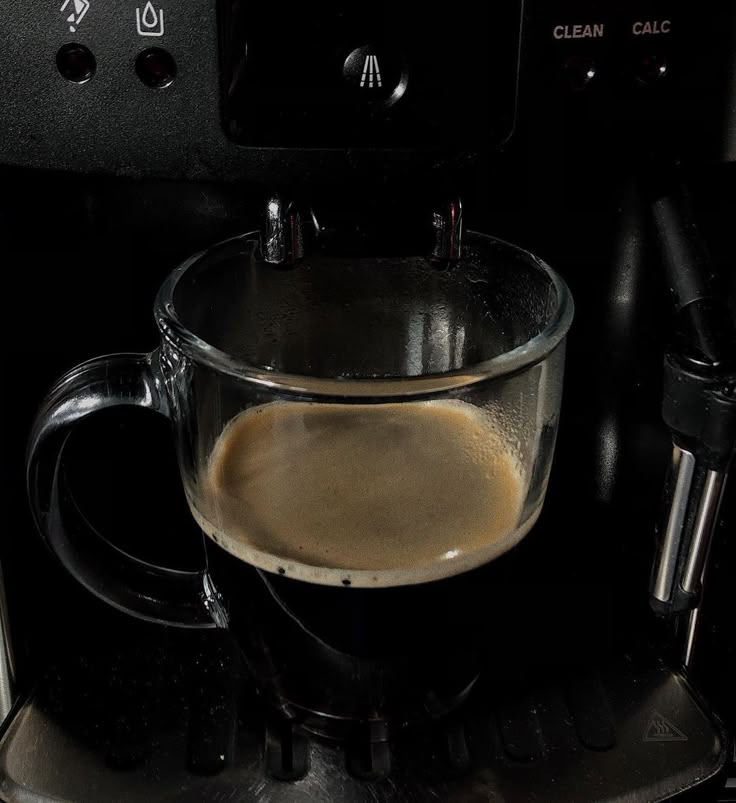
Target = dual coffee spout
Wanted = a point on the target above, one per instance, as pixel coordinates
(289, 229)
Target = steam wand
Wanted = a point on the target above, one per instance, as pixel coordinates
(699, 407)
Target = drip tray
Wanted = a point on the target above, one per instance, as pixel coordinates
(624, 734)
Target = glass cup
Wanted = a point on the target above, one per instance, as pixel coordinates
(362, 422)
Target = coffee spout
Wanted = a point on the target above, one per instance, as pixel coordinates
(447, 223)
(283, 236)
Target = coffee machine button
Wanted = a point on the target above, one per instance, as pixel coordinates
(580, 71)
(376, 76)
(156, 67)
(76, 63)
(650, 69)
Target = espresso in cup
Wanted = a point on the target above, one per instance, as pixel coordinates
(435, 461)
(366, 494)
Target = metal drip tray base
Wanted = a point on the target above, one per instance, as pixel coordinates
(621, 734)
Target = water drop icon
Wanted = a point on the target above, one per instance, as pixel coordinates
(150, 17)
(150, 21)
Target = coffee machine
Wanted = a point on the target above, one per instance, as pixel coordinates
(598, 135)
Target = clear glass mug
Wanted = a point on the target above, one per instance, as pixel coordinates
(391, 371)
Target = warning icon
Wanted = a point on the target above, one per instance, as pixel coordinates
(79, 9)
(660, 729)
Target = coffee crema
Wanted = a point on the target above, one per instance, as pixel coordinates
(363, 495)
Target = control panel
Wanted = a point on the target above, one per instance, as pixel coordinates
(648, 78)
(387, 74)
(233, 90)
(600, 44)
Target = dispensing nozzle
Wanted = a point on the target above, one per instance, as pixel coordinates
(283, 236)
(447, 223)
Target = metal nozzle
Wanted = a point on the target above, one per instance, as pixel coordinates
(283, 239)
(448, 232)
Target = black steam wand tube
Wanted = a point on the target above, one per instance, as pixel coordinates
(698, 406)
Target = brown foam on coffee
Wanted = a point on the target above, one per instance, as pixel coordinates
(371, 495)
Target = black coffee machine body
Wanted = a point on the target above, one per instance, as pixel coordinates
(597, 135)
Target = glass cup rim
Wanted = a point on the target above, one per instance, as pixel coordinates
(510, 362)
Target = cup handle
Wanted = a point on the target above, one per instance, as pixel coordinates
(149, 592)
